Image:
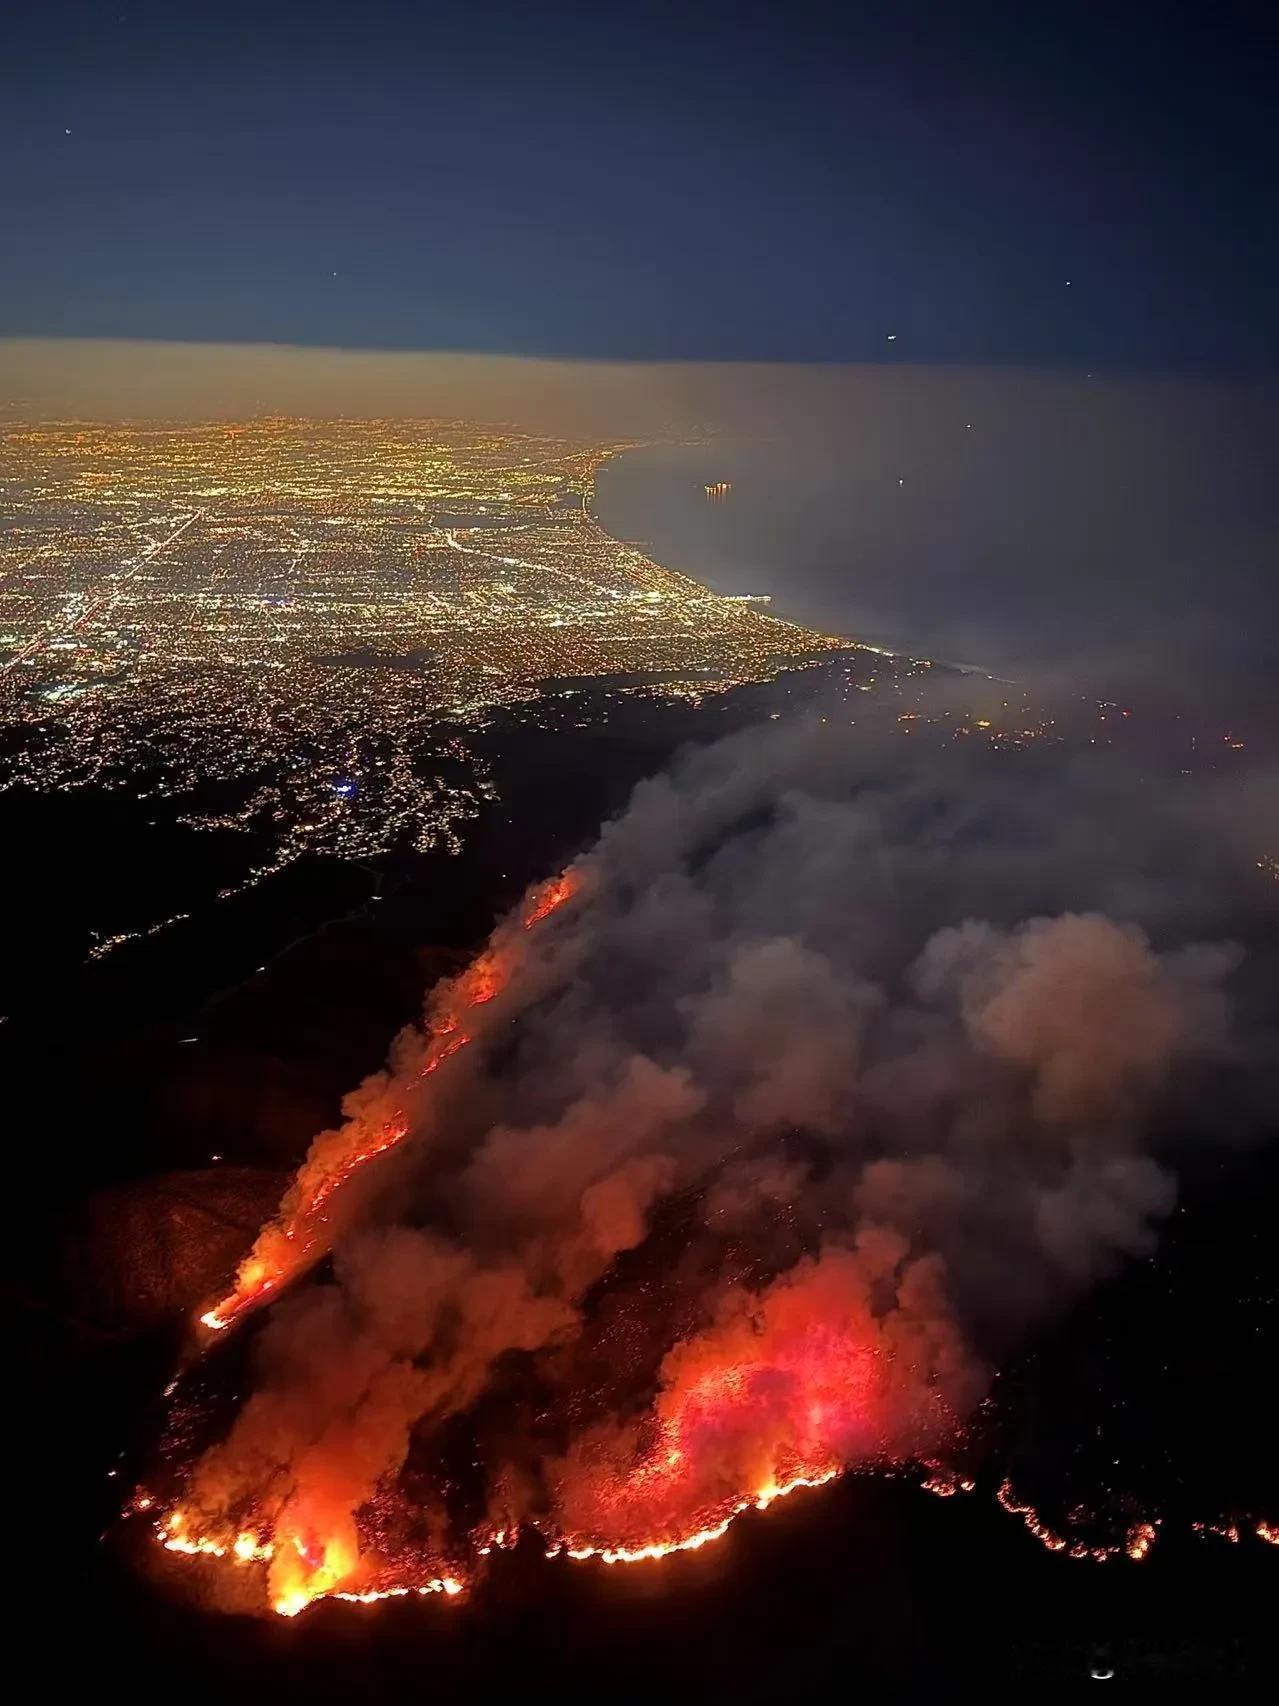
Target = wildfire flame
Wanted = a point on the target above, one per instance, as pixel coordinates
(248, 1547)
(847, 1359)
(317, 1572)
(1228, 1531)
(700, 1537)
(548, 897)
(296, 1237)
(1136, 1544)
(1140, 1539)
(944, 1485)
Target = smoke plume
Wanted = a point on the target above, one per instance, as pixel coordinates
(739, 1157)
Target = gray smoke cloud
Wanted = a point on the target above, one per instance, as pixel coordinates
(879, 1063)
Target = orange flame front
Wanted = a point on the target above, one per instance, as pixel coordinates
(317, 1570)
(551, 895)
(305, 1570)
(297, 1237)
(780, 1397)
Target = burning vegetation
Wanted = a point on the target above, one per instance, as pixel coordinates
(301, 1233)
(733, 1162)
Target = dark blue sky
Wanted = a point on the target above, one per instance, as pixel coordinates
(786, 181)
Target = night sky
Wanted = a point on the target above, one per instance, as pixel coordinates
(1079, 184)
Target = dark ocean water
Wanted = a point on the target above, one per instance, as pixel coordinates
(1126, 537)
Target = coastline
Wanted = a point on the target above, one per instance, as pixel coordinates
(824, 644)
(882, 645)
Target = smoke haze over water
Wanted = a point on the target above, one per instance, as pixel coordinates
(827, 1084)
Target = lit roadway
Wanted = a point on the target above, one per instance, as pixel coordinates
(108, 597)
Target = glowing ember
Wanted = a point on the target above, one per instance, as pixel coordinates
(944, 1485)
(1228, 1531)
(1136, 1545)
(1140, 1539)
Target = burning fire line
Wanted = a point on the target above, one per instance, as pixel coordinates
(550, 896)
(437, 1584)
(1234, 1531)
(305, 1568)
(700, 1537)
(1136, 1544)
(943, 1485)
(250, 1547)
(265, 1270)
(1221, 1531)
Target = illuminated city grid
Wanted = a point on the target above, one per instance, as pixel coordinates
(305, 621)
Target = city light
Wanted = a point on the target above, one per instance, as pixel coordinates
(299, 629)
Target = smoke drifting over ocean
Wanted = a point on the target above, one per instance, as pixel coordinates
(822, 1086)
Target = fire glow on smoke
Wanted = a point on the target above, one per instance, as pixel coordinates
(857, 1147)
(825, 1380)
